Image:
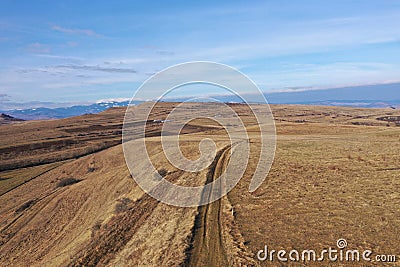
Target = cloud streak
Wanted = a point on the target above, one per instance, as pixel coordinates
(76, 31)
(68, 58)
(96, 68)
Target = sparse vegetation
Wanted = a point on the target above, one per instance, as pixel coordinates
(67, 181)
(112, 236)
(92, 166)
(123, 204)
(163, 172)
(95, 228)
(26, 205)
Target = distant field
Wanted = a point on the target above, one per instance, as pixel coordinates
(335, 175)
(31, 143)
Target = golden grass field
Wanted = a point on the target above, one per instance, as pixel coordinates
(335, 175)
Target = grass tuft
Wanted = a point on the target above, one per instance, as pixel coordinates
(67, 181)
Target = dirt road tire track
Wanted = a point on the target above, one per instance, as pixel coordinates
(207, 247)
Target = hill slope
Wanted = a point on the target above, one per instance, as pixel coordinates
(335, 176)
(6, 119)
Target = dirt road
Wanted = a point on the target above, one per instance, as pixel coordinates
(207, 243)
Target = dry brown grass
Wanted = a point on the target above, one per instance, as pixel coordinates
(333, 177)
(329, 180)
(31, 143)
(14, 178)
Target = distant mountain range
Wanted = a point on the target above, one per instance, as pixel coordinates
(355, 103)
(371, 96)
(44, 113)
(386, 93)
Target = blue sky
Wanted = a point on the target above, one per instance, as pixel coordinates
(77, 51)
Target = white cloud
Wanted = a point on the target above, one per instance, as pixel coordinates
(68, 58)
(76, 31)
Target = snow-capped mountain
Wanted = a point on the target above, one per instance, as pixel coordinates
(64, 112)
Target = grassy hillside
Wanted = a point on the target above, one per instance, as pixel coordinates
(67, 198)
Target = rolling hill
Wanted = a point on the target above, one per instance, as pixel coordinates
(68, 199)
